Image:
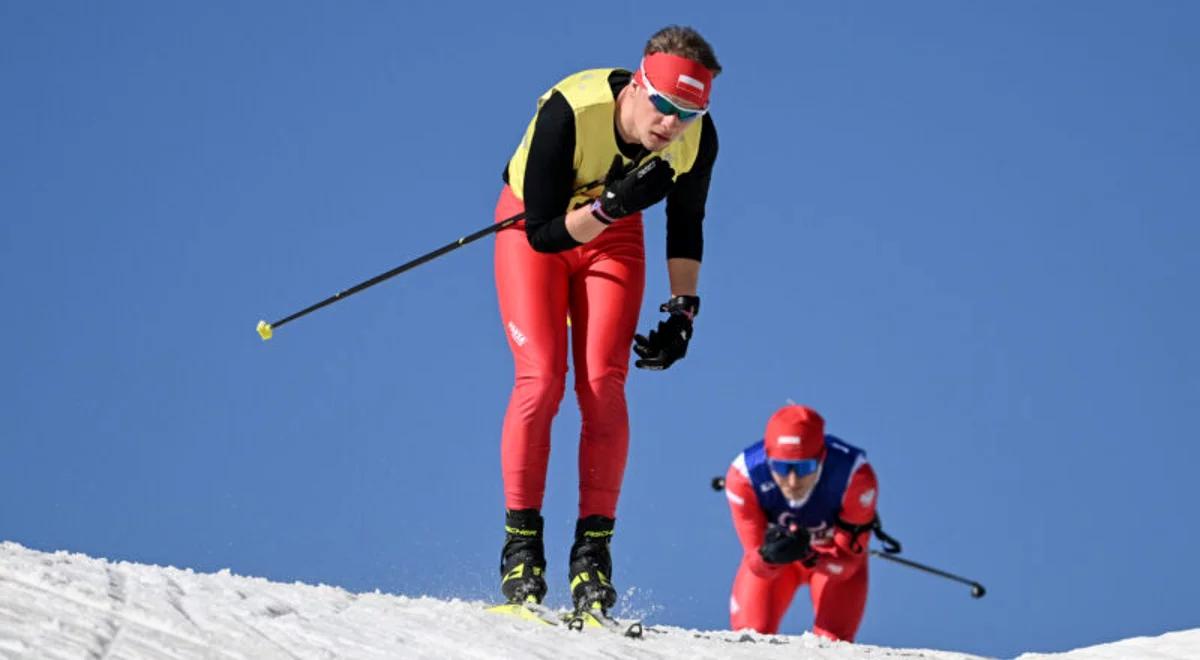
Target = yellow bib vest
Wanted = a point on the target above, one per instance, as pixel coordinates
(591, 99)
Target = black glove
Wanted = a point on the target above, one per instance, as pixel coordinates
(670, 341)
(626, 193)
(784, 545)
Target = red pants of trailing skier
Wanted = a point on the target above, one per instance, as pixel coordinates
(600, 285)
(838, 598)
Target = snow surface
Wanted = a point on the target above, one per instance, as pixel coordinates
(63, 605)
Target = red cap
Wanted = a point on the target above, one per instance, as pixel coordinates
(684, 79)
(795, 432)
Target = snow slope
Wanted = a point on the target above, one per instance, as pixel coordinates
(64, 605)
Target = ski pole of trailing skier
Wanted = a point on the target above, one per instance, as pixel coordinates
(266, 330)
(977, 590)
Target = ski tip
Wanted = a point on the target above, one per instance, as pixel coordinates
(527, 610)
(264, 330)
(593, 615)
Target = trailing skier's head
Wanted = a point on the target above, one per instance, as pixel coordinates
(795, 445)
(794, 433)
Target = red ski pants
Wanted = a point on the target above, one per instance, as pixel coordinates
(600, 285)
(838, 600)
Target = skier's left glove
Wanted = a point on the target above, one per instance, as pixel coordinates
(668, 343)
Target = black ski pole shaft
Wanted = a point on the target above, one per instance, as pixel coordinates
(977, 590)
(265, 329)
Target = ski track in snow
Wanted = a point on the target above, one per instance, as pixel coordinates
(70, 606)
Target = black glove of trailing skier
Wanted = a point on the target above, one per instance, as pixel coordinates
(626, 193)
(669, 342)
(784, 545)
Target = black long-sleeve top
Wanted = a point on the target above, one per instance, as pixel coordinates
(549, 174)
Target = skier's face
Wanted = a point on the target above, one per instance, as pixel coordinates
(794, 487)
(655, 130)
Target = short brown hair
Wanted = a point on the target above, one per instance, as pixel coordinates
(684, 42)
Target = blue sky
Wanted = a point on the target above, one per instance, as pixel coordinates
(966, 232)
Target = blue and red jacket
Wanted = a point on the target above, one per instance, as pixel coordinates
(843, 498)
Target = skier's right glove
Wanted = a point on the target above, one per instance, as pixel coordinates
(626, 193)
(784, 545)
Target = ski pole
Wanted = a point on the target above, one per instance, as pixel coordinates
(977, 590)
(265, 330)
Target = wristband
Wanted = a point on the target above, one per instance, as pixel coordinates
(688, 306)
(599, 214)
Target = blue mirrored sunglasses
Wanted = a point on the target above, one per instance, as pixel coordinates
(665, 105)
(802, 468)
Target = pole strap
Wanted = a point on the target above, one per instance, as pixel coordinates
(891, 546)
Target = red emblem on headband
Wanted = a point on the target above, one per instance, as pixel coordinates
(687, 80)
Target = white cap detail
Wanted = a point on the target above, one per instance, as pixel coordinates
(789, 439)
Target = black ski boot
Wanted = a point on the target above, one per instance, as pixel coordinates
(591, 565)
(523, 559)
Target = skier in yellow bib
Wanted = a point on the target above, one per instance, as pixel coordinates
(604, 145)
